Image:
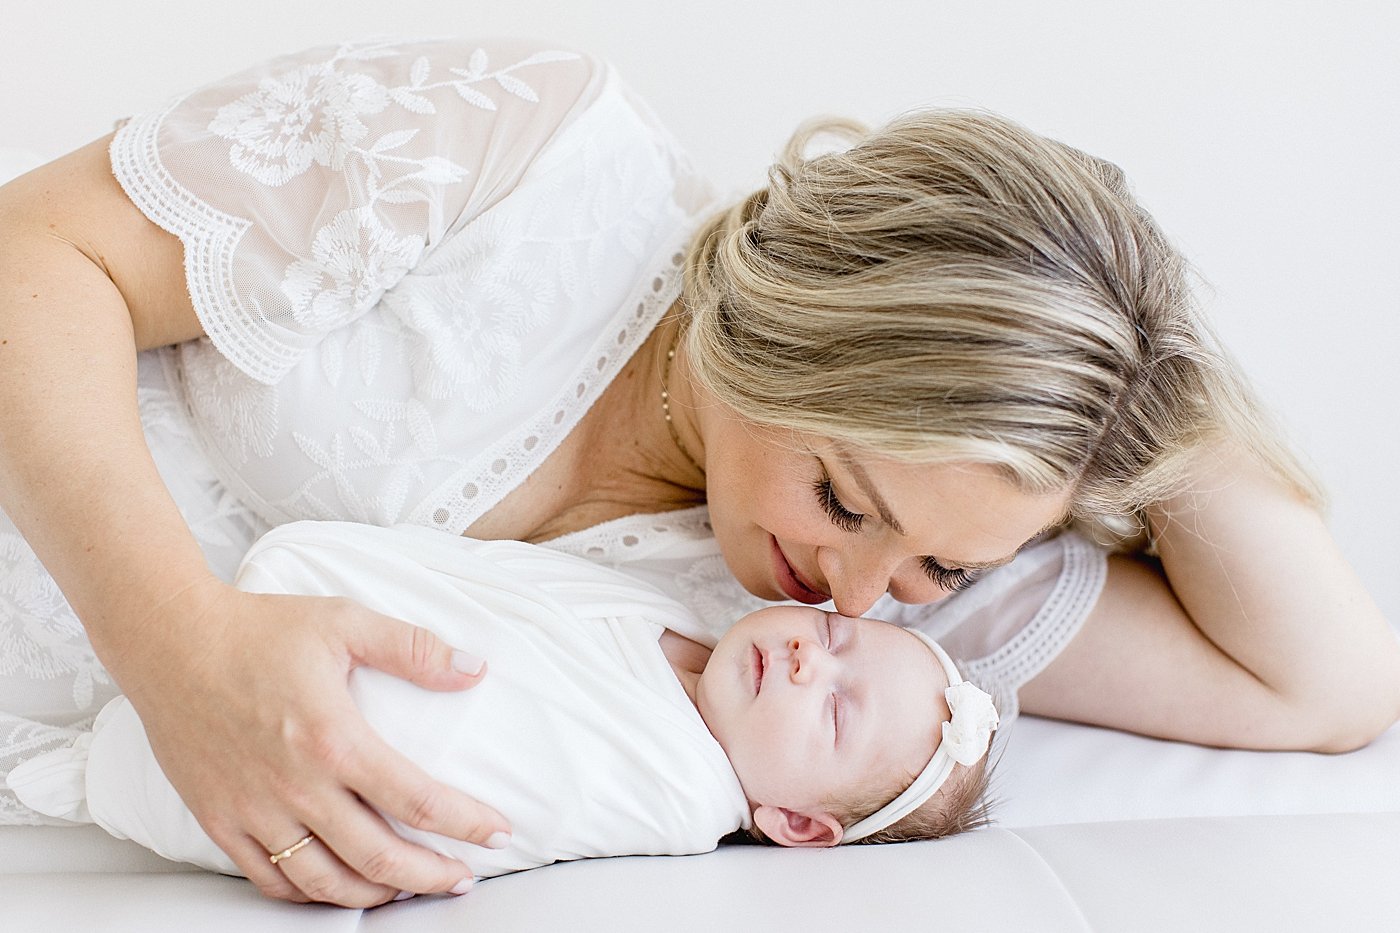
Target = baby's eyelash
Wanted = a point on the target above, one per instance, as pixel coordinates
(840, 516)
(835, 717)
(947, 577)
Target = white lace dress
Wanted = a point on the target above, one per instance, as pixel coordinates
(418, 264)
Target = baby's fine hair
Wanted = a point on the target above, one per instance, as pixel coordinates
(956, 287)
(961, 805)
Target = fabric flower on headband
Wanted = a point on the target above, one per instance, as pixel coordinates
(967, 735)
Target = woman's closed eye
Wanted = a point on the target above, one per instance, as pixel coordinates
(950, 578)
(840, 516)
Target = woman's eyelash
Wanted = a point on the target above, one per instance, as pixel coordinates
(840, 516)
(948, 577)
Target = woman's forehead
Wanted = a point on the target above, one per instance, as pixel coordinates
(968, 514)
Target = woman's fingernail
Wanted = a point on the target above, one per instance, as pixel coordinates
(464, 663)
(463, 886)
(403, 895)
(498, 840)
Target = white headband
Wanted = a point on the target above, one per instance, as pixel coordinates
(965, 740)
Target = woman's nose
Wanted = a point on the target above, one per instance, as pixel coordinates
(857, 580)
(855, 583)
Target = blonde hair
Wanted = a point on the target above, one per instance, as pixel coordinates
(956, 287)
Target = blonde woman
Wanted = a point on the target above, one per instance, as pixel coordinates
(475, 287)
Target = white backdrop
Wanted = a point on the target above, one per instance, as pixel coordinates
(1262, 133)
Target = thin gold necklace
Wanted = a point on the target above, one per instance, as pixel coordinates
(666, 406)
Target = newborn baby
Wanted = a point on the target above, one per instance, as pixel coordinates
(600, 728)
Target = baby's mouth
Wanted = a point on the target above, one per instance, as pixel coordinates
(757, 667)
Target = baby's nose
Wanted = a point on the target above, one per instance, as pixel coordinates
(807, 659)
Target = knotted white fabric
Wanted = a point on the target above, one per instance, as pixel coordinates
(965, 740)
(580, 731)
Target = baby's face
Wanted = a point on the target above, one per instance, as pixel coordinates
(810, 705)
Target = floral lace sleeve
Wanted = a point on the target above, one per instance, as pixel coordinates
(306, 187)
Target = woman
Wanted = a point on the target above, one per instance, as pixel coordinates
(442, 283)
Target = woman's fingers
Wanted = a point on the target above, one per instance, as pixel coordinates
(359, 859)
(315, 873)
(413, 653)
(390, 781)
(253, 861)
(310, 763)
(362, 860)
(339, 851)
(401, 789)
(305, 871)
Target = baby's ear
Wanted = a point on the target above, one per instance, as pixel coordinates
(815, 828)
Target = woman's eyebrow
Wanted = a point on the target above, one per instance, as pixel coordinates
(867, 486)
(882, 508)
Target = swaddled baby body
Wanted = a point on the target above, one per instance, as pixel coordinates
(599, 729)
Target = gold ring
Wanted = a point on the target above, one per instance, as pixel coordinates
(292, 849)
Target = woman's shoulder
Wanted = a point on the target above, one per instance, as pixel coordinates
(275, 177)
(365, 101)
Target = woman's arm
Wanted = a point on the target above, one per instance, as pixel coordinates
(1252, 632)
(244, 696)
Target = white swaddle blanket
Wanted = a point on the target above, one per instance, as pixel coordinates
(580, 733)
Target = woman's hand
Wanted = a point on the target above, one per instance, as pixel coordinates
(244, 697)
(245, 701)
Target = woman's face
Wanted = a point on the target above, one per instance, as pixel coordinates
(805, 519)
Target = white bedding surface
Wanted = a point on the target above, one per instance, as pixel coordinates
(1098, 831)
(1057, 772)
(1298, 873)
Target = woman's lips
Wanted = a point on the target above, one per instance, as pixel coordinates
(788, 581)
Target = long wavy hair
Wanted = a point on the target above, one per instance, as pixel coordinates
(954, 287)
